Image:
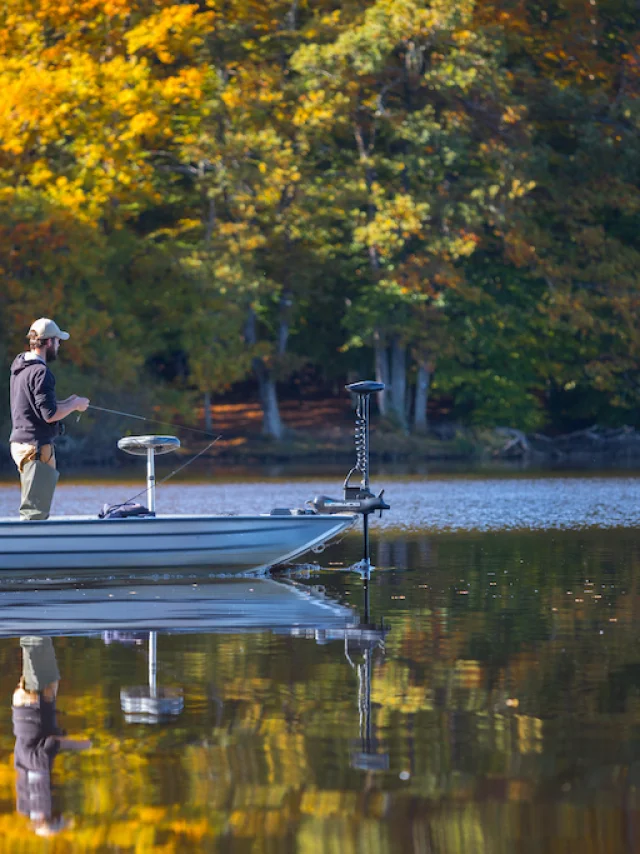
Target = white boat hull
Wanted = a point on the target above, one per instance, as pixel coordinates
(222, 543)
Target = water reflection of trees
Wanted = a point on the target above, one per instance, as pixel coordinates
(511, 715)
(518, 656)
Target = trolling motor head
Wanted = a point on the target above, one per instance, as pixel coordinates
(358, 498)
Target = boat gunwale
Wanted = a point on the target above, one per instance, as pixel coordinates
(8, 521)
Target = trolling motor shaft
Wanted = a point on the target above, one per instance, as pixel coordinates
(364, 390)
(358, 498)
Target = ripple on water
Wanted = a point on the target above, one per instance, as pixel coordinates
(429, 504)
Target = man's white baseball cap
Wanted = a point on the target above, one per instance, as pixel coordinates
(44, 328)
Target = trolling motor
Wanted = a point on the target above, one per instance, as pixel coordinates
(358, 499)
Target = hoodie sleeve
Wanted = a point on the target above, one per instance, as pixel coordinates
(44, 394)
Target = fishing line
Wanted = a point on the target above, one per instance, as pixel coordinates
(170, 475)
(154, 420)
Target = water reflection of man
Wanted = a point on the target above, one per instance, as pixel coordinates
(38, 738)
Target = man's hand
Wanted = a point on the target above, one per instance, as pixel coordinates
(67, 406)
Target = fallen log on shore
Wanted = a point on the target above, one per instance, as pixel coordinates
(591, 442)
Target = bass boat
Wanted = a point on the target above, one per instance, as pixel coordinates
(132, 536)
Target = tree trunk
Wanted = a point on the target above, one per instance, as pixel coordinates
(271, 421)
(208, 421)
(382, 370)
(286, 302)
(399, 381)
(423, 381)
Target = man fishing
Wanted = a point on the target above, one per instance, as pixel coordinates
(35, 417)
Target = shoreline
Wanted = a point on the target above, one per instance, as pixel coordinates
(464, 448)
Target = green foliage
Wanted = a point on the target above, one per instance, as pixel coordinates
(287, 185)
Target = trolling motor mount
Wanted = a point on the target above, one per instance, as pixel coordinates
(357, 498)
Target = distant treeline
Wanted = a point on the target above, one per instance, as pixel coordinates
(443, 194)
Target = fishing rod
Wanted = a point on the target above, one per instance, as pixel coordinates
(165, 424)
(113, 507)
(153, 420)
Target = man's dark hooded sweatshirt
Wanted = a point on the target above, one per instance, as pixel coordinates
(37, 745)
(33, 399)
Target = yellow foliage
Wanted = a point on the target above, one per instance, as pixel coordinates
(396, 220)
(187, 84)
(141, 123)
(92, 91)
(175, 30)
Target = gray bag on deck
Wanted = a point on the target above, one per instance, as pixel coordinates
(37, 483)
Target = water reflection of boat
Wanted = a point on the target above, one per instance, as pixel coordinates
(362, 642)
(217, 605)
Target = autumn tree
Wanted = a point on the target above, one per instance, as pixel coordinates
(90, 90)
(253, 196)
(576, 66)
(425, 138)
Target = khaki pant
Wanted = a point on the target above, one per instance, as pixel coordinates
(23, 453)
(38, 479)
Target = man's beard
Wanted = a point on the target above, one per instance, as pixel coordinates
(51, 353)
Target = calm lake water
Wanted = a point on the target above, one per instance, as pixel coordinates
(480, 694)
(436, 503)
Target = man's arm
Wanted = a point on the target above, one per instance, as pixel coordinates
(66, 407)
(74, 744)
(50, 409)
